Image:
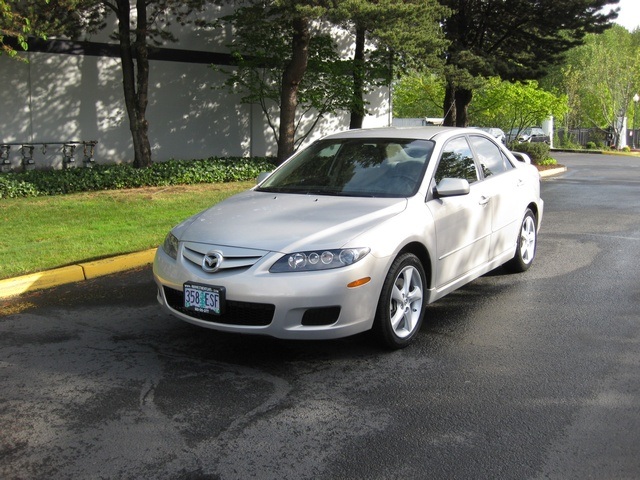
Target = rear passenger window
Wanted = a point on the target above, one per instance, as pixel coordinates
(491, 158)
(457, 162)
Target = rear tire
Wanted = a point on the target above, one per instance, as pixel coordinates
(526, 245)
(401, 305)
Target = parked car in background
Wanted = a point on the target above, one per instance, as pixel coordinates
(497, 133)
(359, 231)
(527, 135)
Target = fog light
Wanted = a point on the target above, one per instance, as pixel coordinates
(317, 317)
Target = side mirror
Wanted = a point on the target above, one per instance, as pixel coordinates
(451, 187)
(262, 176)
(522, 157)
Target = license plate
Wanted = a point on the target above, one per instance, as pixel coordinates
(204, 298)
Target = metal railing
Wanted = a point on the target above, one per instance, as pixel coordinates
(68, 150)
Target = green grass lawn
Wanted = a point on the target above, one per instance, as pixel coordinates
(47, 232)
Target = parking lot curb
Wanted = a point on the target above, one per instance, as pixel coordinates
(74, 273)
(552, 171)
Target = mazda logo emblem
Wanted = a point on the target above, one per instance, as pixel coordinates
(212, 262)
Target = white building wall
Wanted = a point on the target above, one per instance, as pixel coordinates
(58, 98)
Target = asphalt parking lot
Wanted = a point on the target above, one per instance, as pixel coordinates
(514, 376)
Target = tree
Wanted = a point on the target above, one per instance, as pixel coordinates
(289, 66)
(515, 105)
(152, 21)
(16, 24)
(418, 95)
(514, 40)
(12, 25)
(389, 34)
(140, 23)
(601, 77)
(285, 63)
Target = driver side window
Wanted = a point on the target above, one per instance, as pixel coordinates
(491, 158)
(457, 162)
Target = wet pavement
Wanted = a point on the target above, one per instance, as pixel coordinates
(514, 376)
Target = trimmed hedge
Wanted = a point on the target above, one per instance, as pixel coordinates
(537, 151)
(109, 177)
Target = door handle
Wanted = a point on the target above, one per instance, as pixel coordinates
(483, 201)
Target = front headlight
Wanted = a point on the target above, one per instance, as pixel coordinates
(170, 245)
(319, 260)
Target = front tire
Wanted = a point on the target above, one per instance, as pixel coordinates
(526, 245)
(401, 305)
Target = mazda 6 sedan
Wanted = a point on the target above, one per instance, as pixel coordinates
(359, 231)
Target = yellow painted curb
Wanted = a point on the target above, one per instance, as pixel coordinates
(37, 281)
(10, 287)
(117, 264)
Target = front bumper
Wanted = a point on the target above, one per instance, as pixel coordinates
(301, 305)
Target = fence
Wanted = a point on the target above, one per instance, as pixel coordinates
(582, 136)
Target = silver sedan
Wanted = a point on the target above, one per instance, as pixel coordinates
(361, 230)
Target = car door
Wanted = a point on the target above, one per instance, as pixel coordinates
(500, 185)
(462, 222)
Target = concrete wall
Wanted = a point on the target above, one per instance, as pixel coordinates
(62, 97)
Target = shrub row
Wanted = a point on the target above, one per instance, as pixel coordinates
(537, 151)
(107, 177)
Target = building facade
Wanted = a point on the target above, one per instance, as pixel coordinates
(65, 105)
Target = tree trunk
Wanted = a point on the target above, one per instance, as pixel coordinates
(449, 105)
(291, 78)
(143, 150)
(135, 89)
(463, 99)
(357, 103)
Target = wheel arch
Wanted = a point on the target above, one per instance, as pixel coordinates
(420, 251)
(534, 208)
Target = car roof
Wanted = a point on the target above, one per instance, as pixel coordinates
(424, 133)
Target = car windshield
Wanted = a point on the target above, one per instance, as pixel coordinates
(354, 167)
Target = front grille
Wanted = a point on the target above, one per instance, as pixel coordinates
(233, 258)
(235, 313)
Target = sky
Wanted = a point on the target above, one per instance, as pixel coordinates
(629, 15)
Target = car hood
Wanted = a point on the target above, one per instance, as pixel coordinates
(286, 222)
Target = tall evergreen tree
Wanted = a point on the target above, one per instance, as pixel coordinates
(288, 60)
(388, 34)
(515, 40)
(288, 65)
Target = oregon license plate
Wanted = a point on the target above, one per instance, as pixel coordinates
(205, 299)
